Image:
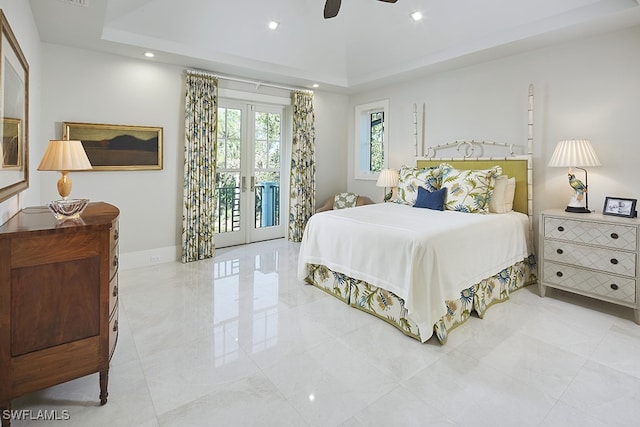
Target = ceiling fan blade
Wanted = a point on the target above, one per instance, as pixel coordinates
(331, 8)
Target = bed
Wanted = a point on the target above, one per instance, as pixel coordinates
(415, 268)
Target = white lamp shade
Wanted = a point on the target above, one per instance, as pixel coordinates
(387, 178)
(63, 155)
(574, 152)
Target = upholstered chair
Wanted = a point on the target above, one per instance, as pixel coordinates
(344, 200)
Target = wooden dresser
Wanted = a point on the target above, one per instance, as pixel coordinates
(58, 300)
(591, 254)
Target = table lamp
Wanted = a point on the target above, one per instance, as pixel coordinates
(576, 153)
(64, 156)
(388, 178)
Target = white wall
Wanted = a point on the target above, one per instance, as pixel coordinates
(587, 88)
(91, 87)
(332, 120)
(18, 14)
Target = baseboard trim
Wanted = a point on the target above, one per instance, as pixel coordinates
(149, 257)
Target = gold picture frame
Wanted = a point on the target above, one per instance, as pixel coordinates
(14, 97)
(118, 147)
(11, 143)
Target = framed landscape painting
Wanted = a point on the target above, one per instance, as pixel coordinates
(118, 147)
(11, 143)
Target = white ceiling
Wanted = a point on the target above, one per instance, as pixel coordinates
(369, 42)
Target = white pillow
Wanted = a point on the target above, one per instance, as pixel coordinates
(509, 194)
(503, 192)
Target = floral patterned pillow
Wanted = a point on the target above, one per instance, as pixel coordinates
(410, 178)
(344, 200)
(469, 190)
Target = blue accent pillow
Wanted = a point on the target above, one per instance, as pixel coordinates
(431, 200)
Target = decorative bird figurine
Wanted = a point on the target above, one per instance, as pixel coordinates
(577, 185)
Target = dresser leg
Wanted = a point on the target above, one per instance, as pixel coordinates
(636, 313)
(5, 413)
(104, 381)
(543, 289)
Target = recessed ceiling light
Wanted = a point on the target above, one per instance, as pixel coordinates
(416, 16)
(316, 85)
(149, 54)
(273, 25)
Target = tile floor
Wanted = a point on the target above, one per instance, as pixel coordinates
(239, 341)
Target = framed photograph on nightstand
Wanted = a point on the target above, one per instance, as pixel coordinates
(617, 206)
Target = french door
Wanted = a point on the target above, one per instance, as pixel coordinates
(250, 200)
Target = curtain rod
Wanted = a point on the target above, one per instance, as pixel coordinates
(256, 83)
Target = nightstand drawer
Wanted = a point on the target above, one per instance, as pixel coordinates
(607, 260)
(590, 282)
(601, 234)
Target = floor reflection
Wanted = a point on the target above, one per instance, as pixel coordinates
(246, 292)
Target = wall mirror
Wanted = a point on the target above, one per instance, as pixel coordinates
(14, 111)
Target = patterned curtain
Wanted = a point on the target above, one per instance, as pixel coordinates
(200, 143)
(302, 194)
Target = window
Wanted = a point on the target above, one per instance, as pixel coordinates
(371, 147)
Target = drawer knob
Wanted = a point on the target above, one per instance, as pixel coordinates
(614, 261)
(561, 228)
(116, 234)
(115, 261)
(614, 286)
(559, 274)
(115, 291)
(560, 251)
(614, 235)
(115, 326)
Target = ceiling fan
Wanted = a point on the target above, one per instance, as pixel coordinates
(331, 7)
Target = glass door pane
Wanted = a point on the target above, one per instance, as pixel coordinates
(228, 214)
(266, 169)
(248, 174)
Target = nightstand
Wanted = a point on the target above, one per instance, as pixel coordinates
(591, 254)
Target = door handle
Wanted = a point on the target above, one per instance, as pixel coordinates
(244, 184)
(253, 183)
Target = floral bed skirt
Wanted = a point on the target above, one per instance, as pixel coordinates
(389, 307)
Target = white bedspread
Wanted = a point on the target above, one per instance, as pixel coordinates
(423, 256)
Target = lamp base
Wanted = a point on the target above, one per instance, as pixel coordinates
(67, 208)
(577, 209)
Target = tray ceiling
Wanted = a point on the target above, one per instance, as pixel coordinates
(368, 43)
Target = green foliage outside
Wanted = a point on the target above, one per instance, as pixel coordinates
(376, 142)
(267, 138)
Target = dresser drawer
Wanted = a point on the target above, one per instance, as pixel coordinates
(614, 236)
(113, 262)
(115, 235)
(113, 293)
(113, 331)
(607, 260)
(590, 282)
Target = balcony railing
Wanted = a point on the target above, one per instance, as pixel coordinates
(227, 209)
(267, 203)
(267, 212)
